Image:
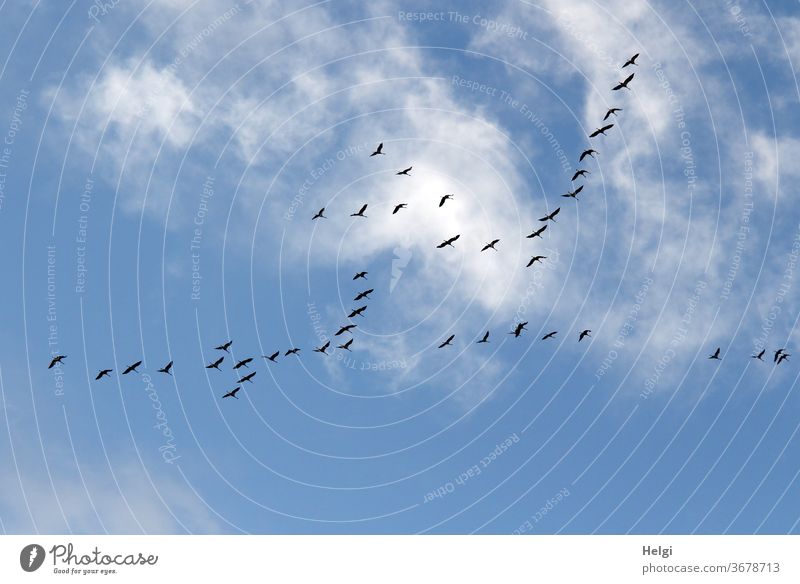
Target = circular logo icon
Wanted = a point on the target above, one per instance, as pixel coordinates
(31, 557)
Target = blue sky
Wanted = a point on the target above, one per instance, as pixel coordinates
(162, 160)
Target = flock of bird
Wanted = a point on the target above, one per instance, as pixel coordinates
(779, 355)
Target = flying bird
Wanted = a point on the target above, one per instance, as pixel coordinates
(357, 312)
(715, 355)
(580, 172)
(491, 245)
(166, 368)
(323, 348)
(319, 214)
(232, 393)
(448, 341)
(444, 199)
(346, 346)
(624, 84)
(360, 275)
(631, 61)
(345, 329)
(602, 131)
(103, 373)
(405, 171)
(247, 377)
(574, 194)
(590, 152)
(398, 207)
(215, 364)
(273, 356)
(783, 357)
(778, 354)
(364, 294)
(56, 359)
(378, 150)
(224, 347)
(584, 333)
(449, 242)
(759, 355)
(294, 351)
(518, 329)
(551, 216)
(243, 363)
(485, 338)
(612, 112)
(360, 212)
(132, 368)
(537, 232)
(549, 335)
(535, 259)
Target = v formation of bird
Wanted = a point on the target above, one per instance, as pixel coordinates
(549, 217)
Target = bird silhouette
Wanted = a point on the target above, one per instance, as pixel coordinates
(778, 354)
(360, 212)
(215, 364)
(602, 130)
(360, 275)
(518, 329)
(378, 150)
(132, 368)
(612, 112)
(319, 214)
(56, 359)
(323, 348)
(584, 333)
(232, 393)
(166, 368)
(549, 335)
(574, 194)
(485, 338)
(345, 329)
(243, 363)
(224, 347)
(535, 259)
(346, 346)
(449, 242)
(103, 373)
(551, 216)
(590, 152)
(624, 84)
(273, 356)
(364, 294)
(580, 172)
(405, 171)
(783, 357)
(491, 245)
(759, 355)
(357, 312)
(631, 61)
(294, 351)
(398, 207)
(537, 232)
(447, 342)
(444, 199)
(247, 377)
(715, 355)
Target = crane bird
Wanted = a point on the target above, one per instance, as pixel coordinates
(449, 242)
(166, 368)
(612, 111)
(631, 61)
(232, 393)
(364, 294)
(574, 194)
(518, 329)
(580, 172)
(759, 355)
(224, 347)
(624, 84)
(444, 199)
(405, 171)
(215, 364)
(103, 373)
(447, 342)
(320, 214)
(346, 346)
(783, 357)
(537, 232)
(293, 351)
(323, 348)
(360, 212)
(357, 312)
(243, 363)
(398, 207)
(551, 216)
(272, 357)
(590, 152)
(491, 245)
(584, 333)
(345, 329)
(549, 335)
(360, 275)
(378, 150)
(132, 368)
(247, 377)
(56, 359)
(778, 354)
(485, 338)
(535, 259)
(715, 355)
(602, 130)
